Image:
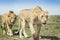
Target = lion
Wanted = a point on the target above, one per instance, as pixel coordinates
(31, 16)
(7, 21)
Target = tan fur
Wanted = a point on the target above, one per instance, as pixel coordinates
(7, 22)
(30, 15)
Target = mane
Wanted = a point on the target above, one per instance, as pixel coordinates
(11, 12)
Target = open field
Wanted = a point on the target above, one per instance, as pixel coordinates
(50, 31)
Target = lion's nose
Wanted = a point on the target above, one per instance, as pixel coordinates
(45, 21)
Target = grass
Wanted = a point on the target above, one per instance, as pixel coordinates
(52, 28)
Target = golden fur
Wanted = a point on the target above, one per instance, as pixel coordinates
(7, 22)
(31, 16)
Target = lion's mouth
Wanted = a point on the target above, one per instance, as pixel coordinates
(44, 23)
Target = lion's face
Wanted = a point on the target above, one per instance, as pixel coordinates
(43, 17)
(12, 17)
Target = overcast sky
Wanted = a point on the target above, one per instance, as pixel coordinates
(52, 6)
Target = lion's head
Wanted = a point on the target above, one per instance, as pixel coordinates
(12, 17)
(42, 15)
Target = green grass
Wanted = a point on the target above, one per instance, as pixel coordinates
(52, 28)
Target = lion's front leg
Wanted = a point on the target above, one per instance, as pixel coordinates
(31, 27)
(36, 35)
(9, 31)
(3, 28)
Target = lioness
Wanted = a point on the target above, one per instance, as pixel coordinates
(30, 15)
(7, 22)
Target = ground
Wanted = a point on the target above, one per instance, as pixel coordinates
(50, 31)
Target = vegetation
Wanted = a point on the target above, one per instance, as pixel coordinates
(52, 28)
